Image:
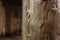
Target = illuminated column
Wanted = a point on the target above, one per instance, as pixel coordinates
(24, 34)
(31, 19)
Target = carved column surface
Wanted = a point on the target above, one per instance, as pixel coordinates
(40, 20)
(28, 19)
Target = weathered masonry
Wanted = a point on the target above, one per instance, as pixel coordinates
(41, 20)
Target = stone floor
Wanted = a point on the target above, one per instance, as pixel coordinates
(11, 38)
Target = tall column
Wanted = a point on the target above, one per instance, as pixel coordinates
(24, 34)
(31, 22)
(2, 19)
(58, 28)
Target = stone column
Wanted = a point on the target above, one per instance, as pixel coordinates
(2, 19)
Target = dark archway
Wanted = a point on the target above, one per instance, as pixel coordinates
(13, 10)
